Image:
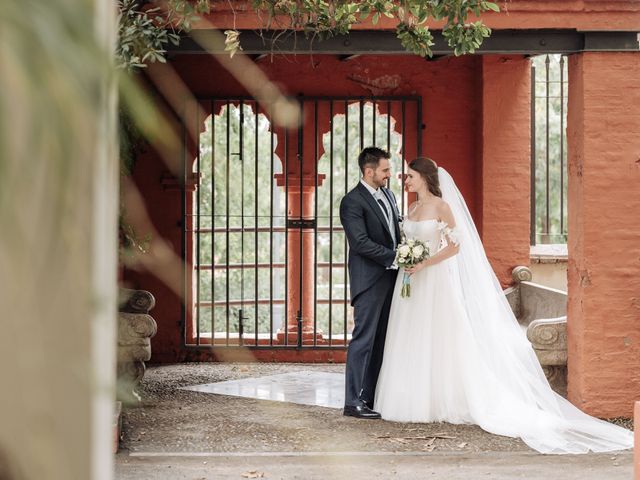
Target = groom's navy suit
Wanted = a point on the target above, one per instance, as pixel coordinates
(371, 253)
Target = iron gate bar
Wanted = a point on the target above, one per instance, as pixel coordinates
(547, 142)
(228, 312)
(419, 128)
(346, 189)
(235, 266)
(286, 236)
(561, 144)
(237, 229)
(302, 232)
(241, 158)
(404, 148)
(362, 124)
(376, 42)
(315, 235)
(388, 125)
(352, 99)
(183, 225)
(266, 301)
(197, 309)
(213, 214)
(532, 230)
(373, 125)
(272, 133)
(255, 221)
(331, 221)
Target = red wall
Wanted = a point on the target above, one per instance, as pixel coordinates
(447, 86)
(452, 98)
(506, 162)
(604, 234)
(582, 15)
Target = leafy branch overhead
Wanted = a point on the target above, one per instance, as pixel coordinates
(329, 18)
(147, 27)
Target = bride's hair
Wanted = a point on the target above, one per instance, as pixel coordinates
(428, 170)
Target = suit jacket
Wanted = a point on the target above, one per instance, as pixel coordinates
(371, 248)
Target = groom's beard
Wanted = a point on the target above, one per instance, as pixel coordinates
(381, 183)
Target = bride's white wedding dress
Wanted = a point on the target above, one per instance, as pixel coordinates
(454, 352)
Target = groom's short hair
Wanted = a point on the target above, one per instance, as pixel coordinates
(371, 156)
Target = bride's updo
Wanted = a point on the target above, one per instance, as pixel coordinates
(428, 170)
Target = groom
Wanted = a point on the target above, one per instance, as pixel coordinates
(369, 215)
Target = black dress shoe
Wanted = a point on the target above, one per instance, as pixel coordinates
(369, 404)
(360, 411)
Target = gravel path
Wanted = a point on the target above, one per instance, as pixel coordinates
(172, 420)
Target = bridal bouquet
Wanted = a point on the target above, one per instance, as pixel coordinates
(410, 252)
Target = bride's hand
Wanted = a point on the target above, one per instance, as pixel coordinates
(416, 268)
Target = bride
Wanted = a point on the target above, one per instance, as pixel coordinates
(454, 351)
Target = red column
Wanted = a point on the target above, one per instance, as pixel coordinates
(603, 136)
(300, 264)
(506, 163)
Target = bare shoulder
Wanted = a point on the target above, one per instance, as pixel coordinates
(444, 211)
(441, 205)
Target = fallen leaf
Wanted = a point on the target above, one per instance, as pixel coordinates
(253, 474)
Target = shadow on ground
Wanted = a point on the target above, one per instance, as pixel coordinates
(173, 420)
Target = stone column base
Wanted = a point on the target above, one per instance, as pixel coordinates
(308, 338)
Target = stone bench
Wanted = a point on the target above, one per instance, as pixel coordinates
(542, 312)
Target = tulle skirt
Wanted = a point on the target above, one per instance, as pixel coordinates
(435, 370)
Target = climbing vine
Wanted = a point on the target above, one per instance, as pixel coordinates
(146, 28)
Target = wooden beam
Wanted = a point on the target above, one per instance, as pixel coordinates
(526, 42)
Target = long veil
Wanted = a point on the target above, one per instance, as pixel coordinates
(543, 419)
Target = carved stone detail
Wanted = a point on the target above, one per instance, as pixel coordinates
(549, 340)
(135, 301)
(521, 274)
(135, 329)
(557, 377)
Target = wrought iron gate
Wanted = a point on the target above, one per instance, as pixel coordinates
(266, 254)
(549, 101)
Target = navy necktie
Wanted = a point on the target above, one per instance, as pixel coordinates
(384, 209)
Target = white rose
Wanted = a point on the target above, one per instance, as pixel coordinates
(404, 250)
(418, 250)
(411, 242)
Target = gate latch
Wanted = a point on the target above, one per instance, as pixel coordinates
(301, 223)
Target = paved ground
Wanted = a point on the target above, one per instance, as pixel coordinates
(488, 465)
(178, 434)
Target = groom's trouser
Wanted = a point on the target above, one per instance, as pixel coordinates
(364, 356)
